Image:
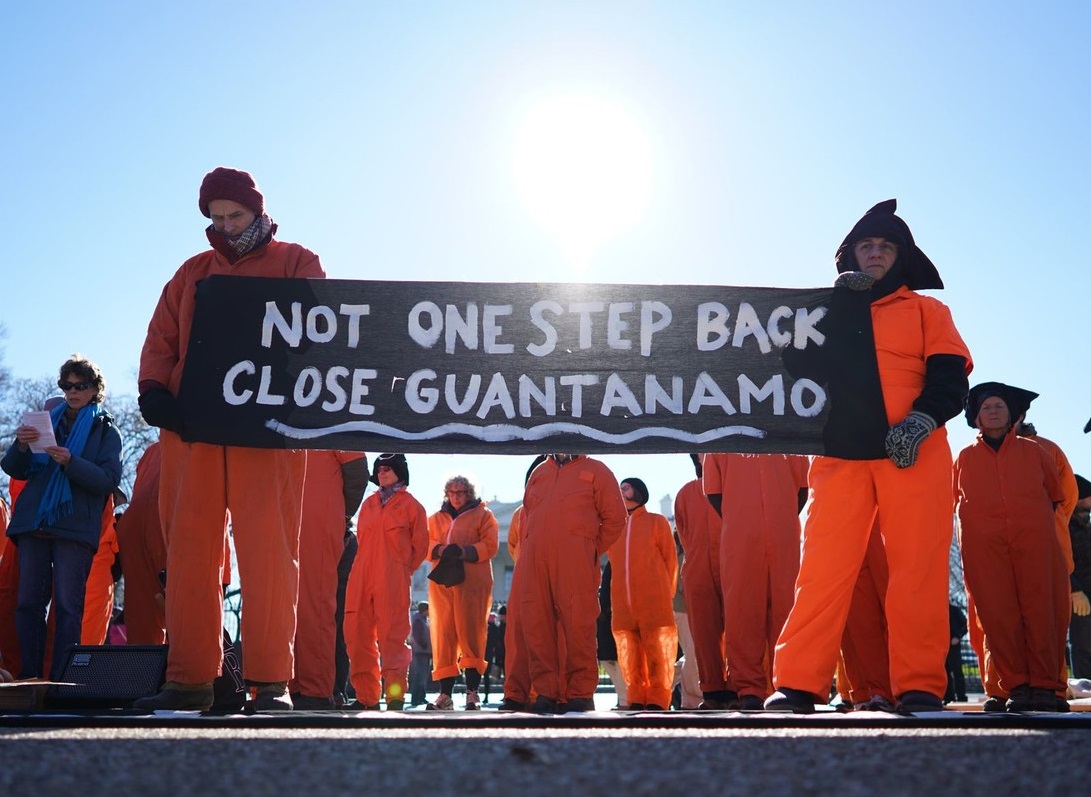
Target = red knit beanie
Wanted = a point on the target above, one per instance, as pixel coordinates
(233, 184)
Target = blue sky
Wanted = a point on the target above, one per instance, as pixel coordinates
(387, 137)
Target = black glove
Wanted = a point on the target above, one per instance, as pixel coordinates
(437, 552)
(469, 553)
(903, 440)
(854, 281)
(159, 407)
(451, 552)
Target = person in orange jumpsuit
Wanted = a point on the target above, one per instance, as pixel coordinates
(698, 527)
(645, 574)
(332, 492)
(517, 691)
(143, 551)
(392, 529)
(572, 513)
(759, 497)
(922, 365)
(465, 529)
(1007, 488)
(201, 483)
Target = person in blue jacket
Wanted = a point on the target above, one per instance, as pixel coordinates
(57, 520)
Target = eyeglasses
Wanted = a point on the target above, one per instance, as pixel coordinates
(66, 386)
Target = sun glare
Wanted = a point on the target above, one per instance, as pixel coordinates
(582, 167)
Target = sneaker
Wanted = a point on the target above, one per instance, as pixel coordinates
(794, 700)
(308, 703)
(511, 704)
(443, 703)
(579, 705)
(175, 696)
(915, 702)
(472, 702)
(273, 697)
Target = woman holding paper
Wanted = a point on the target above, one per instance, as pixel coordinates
(56, 523)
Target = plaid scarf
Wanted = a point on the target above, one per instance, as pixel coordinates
(386, 493)
(253, 235)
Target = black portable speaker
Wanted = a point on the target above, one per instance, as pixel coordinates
(109, 676)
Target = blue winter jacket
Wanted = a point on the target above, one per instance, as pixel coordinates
(94, 475)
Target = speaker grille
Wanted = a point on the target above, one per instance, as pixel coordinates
(109, 676)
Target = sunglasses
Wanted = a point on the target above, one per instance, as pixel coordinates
(66, 386)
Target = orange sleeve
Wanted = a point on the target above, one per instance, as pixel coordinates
(664, 541)
(515, 531)
(712, 474)
(611, 508)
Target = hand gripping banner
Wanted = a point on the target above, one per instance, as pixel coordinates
(507, 368)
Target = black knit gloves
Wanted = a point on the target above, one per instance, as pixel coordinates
(903, 440)
(854, 281)
(159, 407)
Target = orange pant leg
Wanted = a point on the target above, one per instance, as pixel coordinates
(835, 537)
(916, 519)
(559, 606)
(516, 667)
(193, 512)
(321, 543)
(472, 600)
(9, 589)
(265, 495)
(98, 599)
(705, 609)
(864, 642)
(441, 609)
(392, 616)
(143, 555)
(361, 638)
(1017, 608)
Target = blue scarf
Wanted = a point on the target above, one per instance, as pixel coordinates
(57, 497)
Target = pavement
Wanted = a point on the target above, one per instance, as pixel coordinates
(486, 752)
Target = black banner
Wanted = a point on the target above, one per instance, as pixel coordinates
(504, 368)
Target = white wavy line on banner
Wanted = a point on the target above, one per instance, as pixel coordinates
(503, 432)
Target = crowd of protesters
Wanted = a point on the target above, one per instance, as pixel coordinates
(802, 578)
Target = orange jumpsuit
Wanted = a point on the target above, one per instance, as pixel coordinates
(572, 514)
(913, 507)
(393, 541)
(759, 556)
(144, 554)
(201, 484)
(645, 576)
(1012, 563)
(321, 544)
(699, 532)
(460, 613)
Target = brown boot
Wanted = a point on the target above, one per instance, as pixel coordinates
(175, 696)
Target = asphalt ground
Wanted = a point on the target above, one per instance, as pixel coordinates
(520, 755)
